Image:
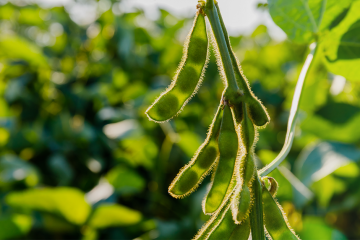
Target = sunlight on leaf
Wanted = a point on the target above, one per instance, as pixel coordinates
(342, 46)
(14, 226)
(18, 48)
(114, 215)
(302, 20)
(66, 202)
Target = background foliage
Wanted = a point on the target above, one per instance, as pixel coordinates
(79, 159)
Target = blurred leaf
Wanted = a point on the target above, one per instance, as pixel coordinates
(138, 151)
(16, 48)
(189, 142)
(338, 113)
(66, 202)
(342, 46)
(30, 16)
(302, 20)
(114, 215)
(326, 188)
(316, 228)
(328, 130)
(125, 180)
(315, 163)
(14, 226)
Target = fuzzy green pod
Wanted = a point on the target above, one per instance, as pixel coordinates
(192, 174)
(227, 229)
(238, 111)
(189, 76)
(276, 223)
(222, 226)
(223, 178)
(205, 232)
(257, 111)
(243, 197)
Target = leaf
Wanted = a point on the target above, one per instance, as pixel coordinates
(316, 228)
(65, 202)
(125, 180)
(301, 20)
(327, 187)
(315, 163)
(222, 226)
(342, 46)
(326, 129)
(114, 215)
(189, 142)
(15, 48)
(14, 226)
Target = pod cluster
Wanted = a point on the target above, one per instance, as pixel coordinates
(228, 150)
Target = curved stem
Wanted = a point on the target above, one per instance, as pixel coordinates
(293, 114)
(211, 13)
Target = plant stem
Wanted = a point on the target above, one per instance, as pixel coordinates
(256, 214)
(232, 91)
(293, 114)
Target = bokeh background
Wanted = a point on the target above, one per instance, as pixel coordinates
(80, 160)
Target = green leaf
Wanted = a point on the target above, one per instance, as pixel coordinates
(326, 129)
(15, 48)
(125, 180)
(303, 19)
(65, 202)
(114, 215)
(342, 46)
(14, 226)
(316, 228)
(189, 142)
(326, 188)
(315, 163)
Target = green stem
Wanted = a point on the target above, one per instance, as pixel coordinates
(232, 91)
(241, 82)
(256, 214)
(293, 114)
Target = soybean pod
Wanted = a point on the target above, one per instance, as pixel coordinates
(192, 174)
(205, 232)
(222, 226)
(227, 229)
(257, 112)
(244, 197)
(189, 75)
(223, 178)
(276, 223)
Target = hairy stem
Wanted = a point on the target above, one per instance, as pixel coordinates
(256, 214)
(233, 91)
(293, 114)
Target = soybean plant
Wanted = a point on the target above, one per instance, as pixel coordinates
(239, 200)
